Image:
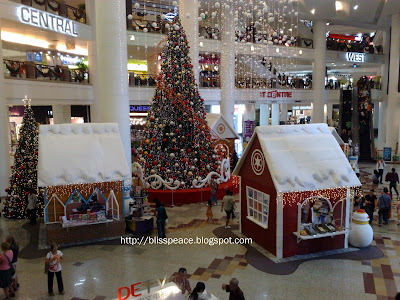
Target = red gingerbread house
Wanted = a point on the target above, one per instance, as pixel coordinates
(226, 133)
(296, 190)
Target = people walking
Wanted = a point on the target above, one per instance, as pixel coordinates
(228, 206)
(214, 189)
(15, 250)
(53, 260)
(393, 179)
(369, 204)
(161, 215)
(235, 293)
(31, 208)
(375, 180)
(384, 202)
(380, 167)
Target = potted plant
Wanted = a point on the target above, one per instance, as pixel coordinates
(395, 158)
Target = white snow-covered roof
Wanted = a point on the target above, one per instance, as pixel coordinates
(80, 153)
(221, 127)
(336, 135)
(302, 158)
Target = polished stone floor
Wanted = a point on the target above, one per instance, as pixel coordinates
(97, 271)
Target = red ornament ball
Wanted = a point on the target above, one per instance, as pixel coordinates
(154, 162)
(150, 155)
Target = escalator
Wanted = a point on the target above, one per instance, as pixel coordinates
(355, 122)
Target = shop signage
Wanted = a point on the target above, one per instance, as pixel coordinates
(249, 127)
(164, 291)
(355, 57)
(39, 18)
(387, 153)
(139, 108)
(276, 94)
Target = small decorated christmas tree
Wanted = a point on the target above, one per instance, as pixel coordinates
(177, 140)
(24, 170)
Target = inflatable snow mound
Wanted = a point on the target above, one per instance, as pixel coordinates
(303, 157)
(80, 153)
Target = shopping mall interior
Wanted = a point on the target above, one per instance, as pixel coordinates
(199, 149)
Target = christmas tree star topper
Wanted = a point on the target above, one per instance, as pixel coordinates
(27, 101)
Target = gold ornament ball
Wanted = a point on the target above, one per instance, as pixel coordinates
(190, 173)
(147, 141)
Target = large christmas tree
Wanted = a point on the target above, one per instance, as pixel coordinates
(24, 171)
(177, 140)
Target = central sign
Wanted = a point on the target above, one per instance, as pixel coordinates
(355, 57)
(38, 18)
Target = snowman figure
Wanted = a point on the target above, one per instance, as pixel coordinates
(361, 233)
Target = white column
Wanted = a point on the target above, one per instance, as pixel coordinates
(111, 85)
(61, 114)
(92, 59)
(393, 104)
(275, 114)
(249, 112)
(264, 114)
(284, 111)
(328, 108)
(318, 79)
(4, 129)
(384, 80)
(227, 67)
(382, 124)
(189, 13)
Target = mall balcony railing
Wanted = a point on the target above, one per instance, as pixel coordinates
(31, 71)
(245, 83)
(142, 80)
(58, 7)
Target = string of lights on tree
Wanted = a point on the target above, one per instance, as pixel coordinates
(177, 142)
(24, 170)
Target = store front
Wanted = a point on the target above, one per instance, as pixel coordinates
(138, 115)
(299, 115)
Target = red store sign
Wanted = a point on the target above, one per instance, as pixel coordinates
(276, 94)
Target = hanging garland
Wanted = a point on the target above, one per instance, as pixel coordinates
(308, 42)
(40, 2)
(53, 8)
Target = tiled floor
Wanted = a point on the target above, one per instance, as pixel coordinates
(97, 271)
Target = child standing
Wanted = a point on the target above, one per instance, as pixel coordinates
(209, 212)
(53, 260)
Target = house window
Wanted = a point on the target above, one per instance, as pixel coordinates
(257, 207)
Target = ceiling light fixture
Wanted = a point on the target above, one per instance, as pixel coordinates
(313, 11)
(355, 7)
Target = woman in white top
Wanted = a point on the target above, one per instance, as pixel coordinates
(380, 166)
(53, 260)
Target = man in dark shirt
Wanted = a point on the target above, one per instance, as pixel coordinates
(393, 179)
(235, 293)
(369, 204)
